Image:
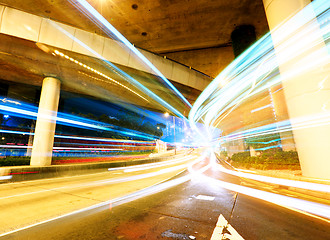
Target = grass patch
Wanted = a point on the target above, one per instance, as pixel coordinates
(267, 160)
(14, 161)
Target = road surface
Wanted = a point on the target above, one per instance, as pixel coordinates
(158, 204)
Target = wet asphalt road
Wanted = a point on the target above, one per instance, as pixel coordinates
(187, 211)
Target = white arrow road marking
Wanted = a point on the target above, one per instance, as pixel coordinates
(229, 233)
(204, 197)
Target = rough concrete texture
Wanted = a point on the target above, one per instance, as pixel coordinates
(210, 61)
(161, 26)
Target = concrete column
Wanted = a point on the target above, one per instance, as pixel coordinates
(302, 58)
(252, 152)
(45, 126)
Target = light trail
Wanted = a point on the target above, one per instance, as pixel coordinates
(80, 147)
(99, 73)
(136, 177)
(317, 209)
(30, 112)
(279, 181)
(65, 148)
(6, 177)
(313, 209)
(244, 78)
(106, 145)
(158, 187)
(100, 21)
(151, 165)
(283, 126)
(80, 138)
(121, 73)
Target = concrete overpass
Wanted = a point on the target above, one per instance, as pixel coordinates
(39, 37)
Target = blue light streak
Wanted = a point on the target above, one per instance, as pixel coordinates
(97, 18)
(30, 112)
(121, 73)
(256, 71)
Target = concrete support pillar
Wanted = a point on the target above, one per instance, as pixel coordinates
(46, 122)
(302, 58)
(252, 152)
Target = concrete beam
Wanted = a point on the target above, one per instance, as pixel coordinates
(63, 36)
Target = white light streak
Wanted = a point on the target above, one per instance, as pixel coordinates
(279, 181)
(87, 8)
(318, 209)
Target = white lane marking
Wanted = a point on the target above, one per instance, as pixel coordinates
(54, 180)
(6, 177)
(100, 182)
(152, 165)
(204, 197)
(280, 181)
(75, 176)
(158, 187)
(222, 225)
(319, 210)
(104, 182)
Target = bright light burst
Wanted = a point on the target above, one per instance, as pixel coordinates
(256, 71)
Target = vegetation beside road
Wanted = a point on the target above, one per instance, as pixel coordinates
(266, 160)
(25, 160)
(14, 161)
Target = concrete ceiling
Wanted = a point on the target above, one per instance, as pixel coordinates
(196, 33)
(161, 26)
(26, 62)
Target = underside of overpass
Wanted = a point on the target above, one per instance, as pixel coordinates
(26, 62)
(196, 33)
(182, 31)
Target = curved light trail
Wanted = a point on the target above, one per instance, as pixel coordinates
(256, 71)
(100, 21)
(30, 112)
